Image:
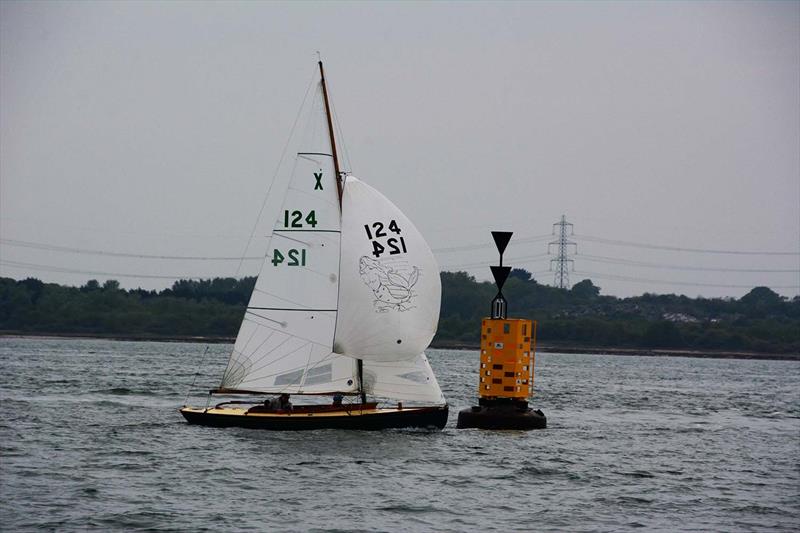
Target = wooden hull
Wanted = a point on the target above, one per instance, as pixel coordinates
(367, 419)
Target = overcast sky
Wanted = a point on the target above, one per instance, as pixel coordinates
(156, 128)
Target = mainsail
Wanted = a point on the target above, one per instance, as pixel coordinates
(284, 343)
(339, 283)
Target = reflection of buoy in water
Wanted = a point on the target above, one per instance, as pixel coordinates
(508, 348)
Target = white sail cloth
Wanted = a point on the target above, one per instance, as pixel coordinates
(284, 343)
(403, 380)
(335, 288)
(390, 290)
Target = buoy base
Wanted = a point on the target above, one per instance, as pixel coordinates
(499, 414)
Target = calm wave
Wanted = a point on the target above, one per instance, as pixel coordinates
(90, 438)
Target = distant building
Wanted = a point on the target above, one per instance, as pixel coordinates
(679, 317)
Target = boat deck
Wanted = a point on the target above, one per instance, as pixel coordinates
(301, 411)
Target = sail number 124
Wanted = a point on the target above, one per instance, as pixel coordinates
(295, 219)
(293, 257)
(394, 244)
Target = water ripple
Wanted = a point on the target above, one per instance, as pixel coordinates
(90, 440)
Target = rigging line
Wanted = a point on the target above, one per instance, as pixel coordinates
(88, 251)
(202, 360)
(64, 270)
(275, 174)
(612, 260)
(665, 282)
(116, 232)
(677, 248)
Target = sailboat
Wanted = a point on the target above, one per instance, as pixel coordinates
(345, 304)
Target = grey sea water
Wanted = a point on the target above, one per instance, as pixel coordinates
(91, 440)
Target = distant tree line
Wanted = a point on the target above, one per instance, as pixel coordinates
(206, 308)
(760, 321)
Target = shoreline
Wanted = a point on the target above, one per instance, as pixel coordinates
(542, 348)
(118, 337)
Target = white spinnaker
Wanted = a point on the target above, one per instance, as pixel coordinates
(390, 287)
(412, 381)
(284, 343)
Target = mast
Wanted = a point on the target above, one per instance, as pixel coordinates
(339, 188)
(330, 132)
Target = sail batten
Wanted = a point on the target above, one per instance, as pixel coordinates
(306, 231)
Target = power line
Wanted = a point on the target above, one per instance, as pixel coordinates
(677, 248)
(275, 174)
(482, 266)
(614, 277)
(612, 260)
(466, 247)
(63, 270)
(116, 232)
(485, 263)
(66, 249)
(87, 251)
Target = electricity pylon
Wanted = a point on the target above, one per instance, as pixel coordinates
(562, 262)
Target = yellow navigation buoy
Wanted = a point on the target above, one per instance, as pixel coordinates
(508, 353)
